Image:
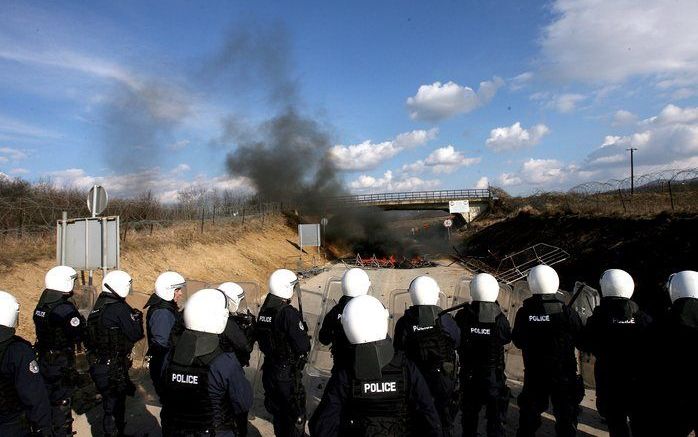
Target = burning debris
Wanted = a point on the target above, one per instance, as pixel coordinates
(390, 262)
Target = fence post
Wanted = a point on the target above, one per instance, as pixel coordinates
(243, 215)
(671, 195)
(620, 194)
(202, 219)
(214, 214)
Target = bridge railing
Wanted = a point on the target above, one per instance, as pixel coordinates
(412, 196)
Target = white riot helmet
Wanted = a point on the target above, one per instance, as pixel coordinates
(61, 278)
(424, 291)
(683, 284)
(281, 283)
(9, 310)
(364, 320)
(355, 282)
(167, 283)
(117, 282)
(543, 279)
(484, 288)
(617, 283)
(234, 293)
(206, 311)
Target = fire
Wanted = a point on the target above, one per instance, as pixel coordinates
(390, 262)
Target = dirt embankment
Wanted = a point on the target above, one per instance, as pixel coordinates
(224, 253)
(650, 249)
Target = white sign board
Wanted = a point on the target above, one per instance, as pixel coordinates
(309, 235)
(88, 243)
(459, 206)
(448, 223)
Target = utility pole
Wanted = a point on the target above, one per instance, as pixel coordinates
(632, 170)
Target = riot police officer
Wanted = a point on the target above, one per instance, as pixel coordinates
(679, 355)
(485, 331)
(616, 333)
(430, 341)
(161, 317)
(204, 388)
(283, 339)
(547, 332)
(355, 282)
(24, 406)
(382, 392)
(238, 337)
(113, 328)
(60, 330)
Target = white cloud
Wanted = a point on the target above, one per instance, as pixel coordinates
(565, 102)
(482, 183)
(520, 81)
(623, 118)
(367, 155)
(671, 136)
(442, 160)
(539, 172)
(12, 154)
(165, 186)
(509, 179)
(181, 168)
(12, 129)
(592, 40)
(19, 170)
(439, 101)
(515, 137)
(388, 182)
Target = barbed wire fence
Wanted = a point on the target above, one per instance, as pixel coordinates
(28, 210)
(674, 191)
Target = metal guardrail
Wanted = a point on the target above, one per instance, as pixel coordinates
(412, 196)
(517, 265)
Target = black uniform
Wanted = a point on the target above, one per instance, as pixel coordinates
(677, 358)
(617, 333)
(161, 317)
(332, 333)
(430, 342)
(485, 331)
(383, 394)
(60, 329)
(113, 328)
(284, 341)
(547, 332)
(24, 404)
(204, 388)
(238, 338)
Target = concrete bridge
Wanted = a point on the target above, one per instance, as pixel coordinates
(478, 200)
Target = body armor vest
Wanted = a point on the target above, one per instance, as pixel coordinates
(483, 349)
(9, 399)
(272, 341)
(188, 407)
(106, 341)
(427, 343)
(551, 346)
(156, 303)
(50, 335)
(378, 407)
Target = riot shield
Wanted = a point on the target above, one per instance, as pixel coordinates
(320, 361)
(399, 301)
(584, 300)
(138, 300)
(83, 298)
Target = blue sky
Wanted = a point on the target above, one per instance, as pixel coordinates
(414, 95)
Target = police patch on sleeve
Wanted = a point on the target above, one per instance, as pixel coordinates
(74, 322)
(300, 325)
(33, 366)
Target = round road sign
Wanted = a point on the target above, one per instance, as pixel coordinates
(323, 222)
(97, 200)
(448, 223)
